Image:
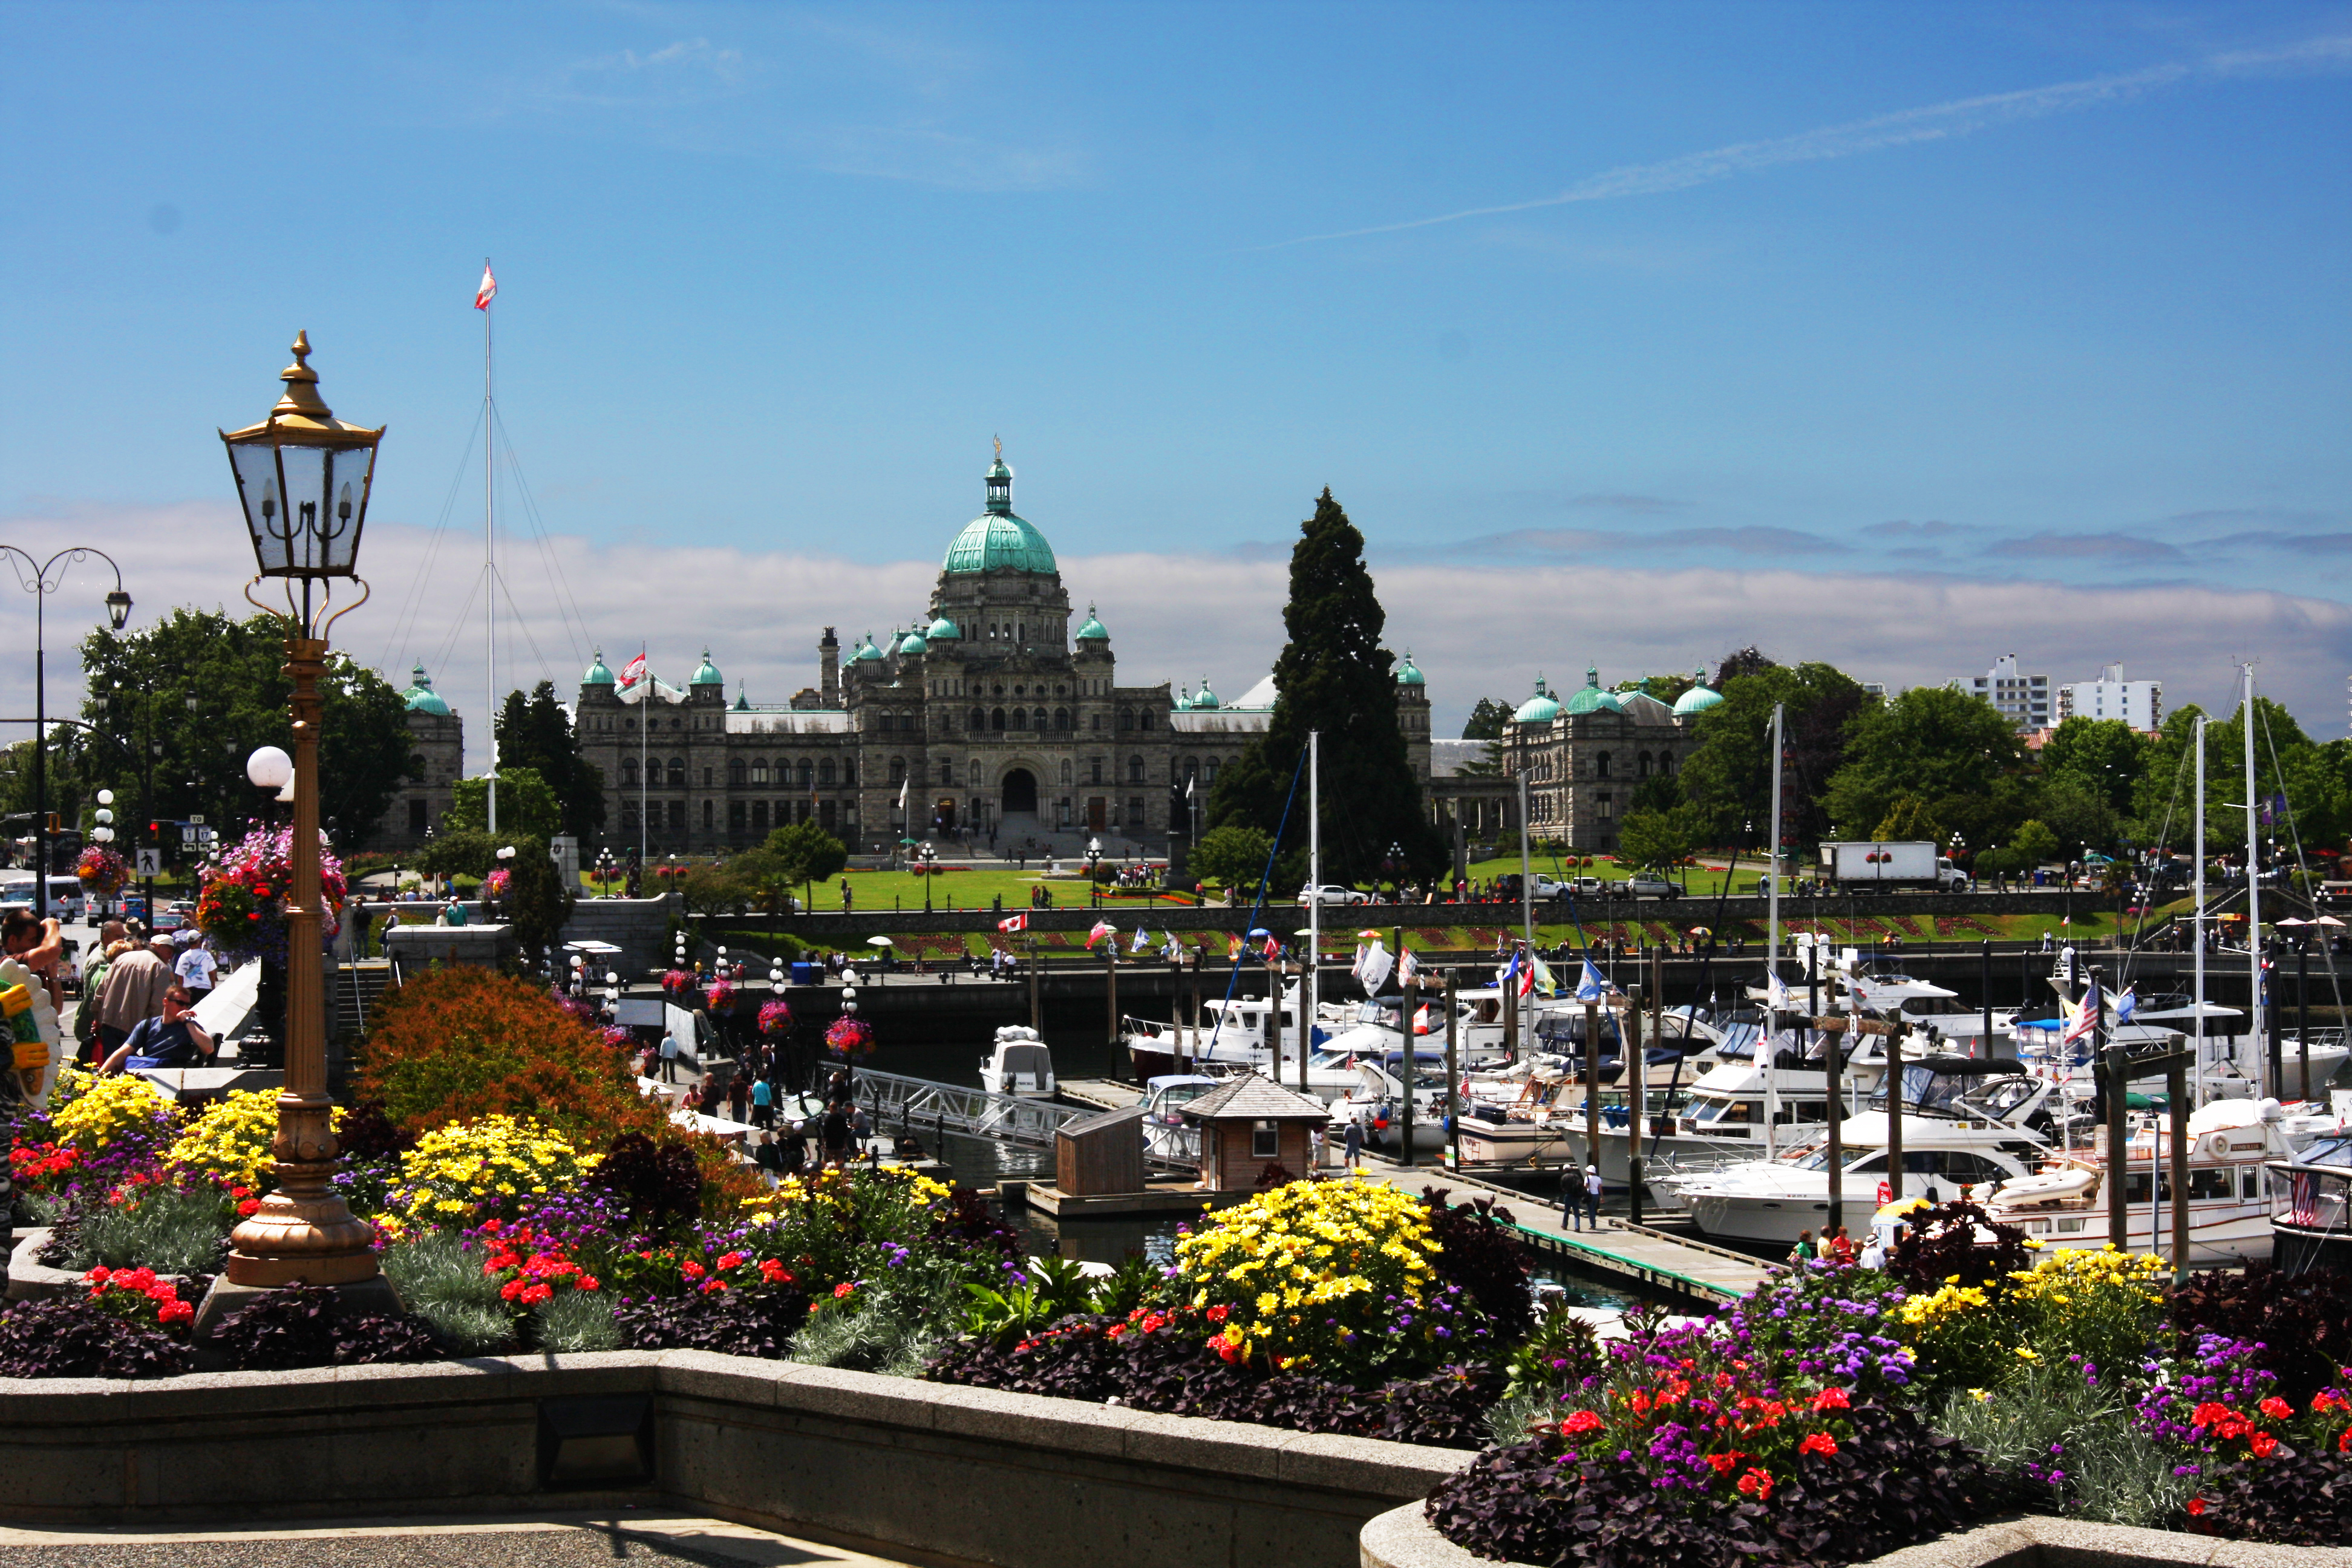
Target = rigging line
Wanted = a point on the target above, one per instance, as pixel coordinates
(1233, 978)
(2164, 843)
(458, 623)
(2294, 832)
(545, 669)
(559, 580)
(414, 600)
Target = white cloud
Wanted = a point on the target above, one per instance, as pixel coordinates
(1477, 631)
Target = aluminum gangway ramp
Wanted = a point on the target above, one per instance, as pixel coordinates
(922, 1105)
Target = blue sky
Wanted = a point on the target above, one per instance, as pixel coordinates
(2037, 312)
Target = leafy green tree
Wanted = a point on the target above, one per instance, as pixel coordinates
(526, 806)
(1730, 773)
(2106, 756)
(1931, 741)
(234, 670)
(1334, 677)
(806, 853)
(1666, 688)
(713, 890)
(1232, 856)
(536, 903)
(2035, 843)
(459, 853)
(1908, 820)
(766, 879)
(2077, 813)
(1663, 791)
(1659, 838)
(537, 735)
(1486, 721)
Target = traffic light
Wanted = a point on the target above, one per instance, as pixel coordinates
(155, 830)
(55, 824)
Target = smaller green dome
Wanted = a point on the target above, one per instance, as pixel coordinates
(742, 702)
(1093, 630)
(913, 644)
(943, 627)
(423, 698)
(1540, 709)
(597, 674)
(1184, 700)
(1699, 698)
(1592, 700)
(707, 673)
(1410, 674)
(866, 650)
(1205, 698)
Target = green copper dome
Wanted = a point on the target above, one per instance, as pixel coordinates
(997, 540)
(1540, 709)
(597, 674)
(1592, 700)
(1410, 675)
(1184, 700)
(866, 650)
(742, 702)
(1699, 698)
(913, 644)
(1205, 698)
(1093, 631)
(943, 627)
(707, 673)
(423, 698)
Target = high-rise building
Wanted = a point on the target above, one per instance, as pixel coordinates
(2022, 700)
(2138, 703)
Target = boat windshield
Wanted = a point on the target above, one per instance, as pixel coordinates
(1996, 1099)
(1724, 1113)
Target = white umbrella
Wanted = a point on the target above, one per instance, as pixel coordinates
(2327, 921)
(879, 941)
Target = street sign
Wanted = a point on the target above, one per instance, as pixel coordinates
(188, 834)
(151, 862)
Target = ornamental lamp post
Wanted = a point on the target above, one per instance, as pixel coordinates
(47, 578)
(302, 478)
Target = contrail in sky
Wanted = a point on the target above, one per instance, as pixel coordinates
(1937, 122)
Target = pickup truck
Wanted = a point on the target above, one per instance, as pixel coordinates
(1650, 885)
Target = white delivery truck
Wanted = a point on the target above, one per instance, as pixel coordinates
(1861, 866)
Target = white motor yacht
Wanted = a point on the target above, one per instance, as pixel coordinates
(1020, 1064)
(1771, 1201)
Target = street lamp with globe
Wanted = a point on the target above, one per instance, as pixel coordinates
(302, 478)
(47, 578)
(1094, 863)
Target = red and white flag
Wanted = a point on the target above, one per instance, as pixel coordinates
(1273, 949)
(633, 672)
(1014, 923)
(489, 289)
(1102, 929)
(1421, 1024)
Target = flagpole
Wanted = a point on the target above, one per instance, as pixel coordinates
(644, 761)
(1772, 946)
(2255, 905)
(489, 562)
(1526, 906)
(2198, 916)
(1314, 988)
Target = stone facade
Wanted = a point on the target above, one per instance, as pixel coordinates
(1585, 754)
(990, 717)
(437, 736)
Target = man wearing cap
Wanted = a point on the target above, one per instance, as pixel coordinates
(133, 991)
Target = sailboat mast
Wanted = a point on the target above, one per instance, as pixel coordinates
(1772, 944)
(490, 570)
(1313, 990)
(2197, 920)
(2254, 896)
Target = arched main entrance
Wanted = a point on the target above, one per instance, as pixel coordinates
(1020, 793)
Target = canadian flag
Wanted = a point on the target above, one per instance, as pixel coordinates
(489, 289)
(633, 671)
(1421, 1024)
(1014, 923)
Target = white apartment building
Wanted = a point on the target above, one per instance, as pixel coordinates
(2023, 700)
(2138, 703)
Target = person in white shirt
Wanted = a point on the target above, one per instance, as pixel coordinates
(194, 967)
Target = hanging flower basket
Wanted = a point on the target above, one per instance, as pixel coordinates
(676, 983)
(720, 997)
(241, 905)
(496, 883)
(102, 870)
(774, 1017)
(850, 1038)
(618, 1037)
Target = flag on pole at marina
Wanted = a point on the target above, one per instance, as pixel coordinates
(1102, 929)
(1372, 965)
(2085, 1018)
(1421, 1024)
(1776, 992)
(1592, 987)
(1141, 935)
(1508, 972)
(1232, 946)
(1542, 975)
(2127, 1005)
(1408, 967)
(489, 289)
(1014, 923)
(1272, 948)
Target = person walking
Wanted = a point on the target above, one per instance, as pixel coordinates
(763, 1104)
(1592, 1194)
(796, 1149)
(861, 1129)
(669, 1056)
(834, 1133)
(1571, 1197)
(739, 1096)
(194, 967)
(1351, 1145)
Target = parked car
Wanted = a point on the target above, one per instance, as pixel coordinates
(1330, 893)
(1650, 885)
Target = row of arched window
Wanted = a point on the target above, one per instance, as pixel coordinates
(806, 773)
(980, 718)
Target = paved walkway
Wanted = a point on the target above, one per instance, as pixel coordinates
(555, 1541)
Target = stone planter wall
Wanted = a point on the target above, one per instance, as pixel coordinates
(970, 1474)
(1401, 1538)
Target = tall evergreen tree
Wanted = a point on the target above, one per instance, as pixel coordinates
(538, 734)
(1333, 677)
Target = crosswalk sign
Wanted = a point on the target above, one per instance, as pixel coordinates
(151, 862)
